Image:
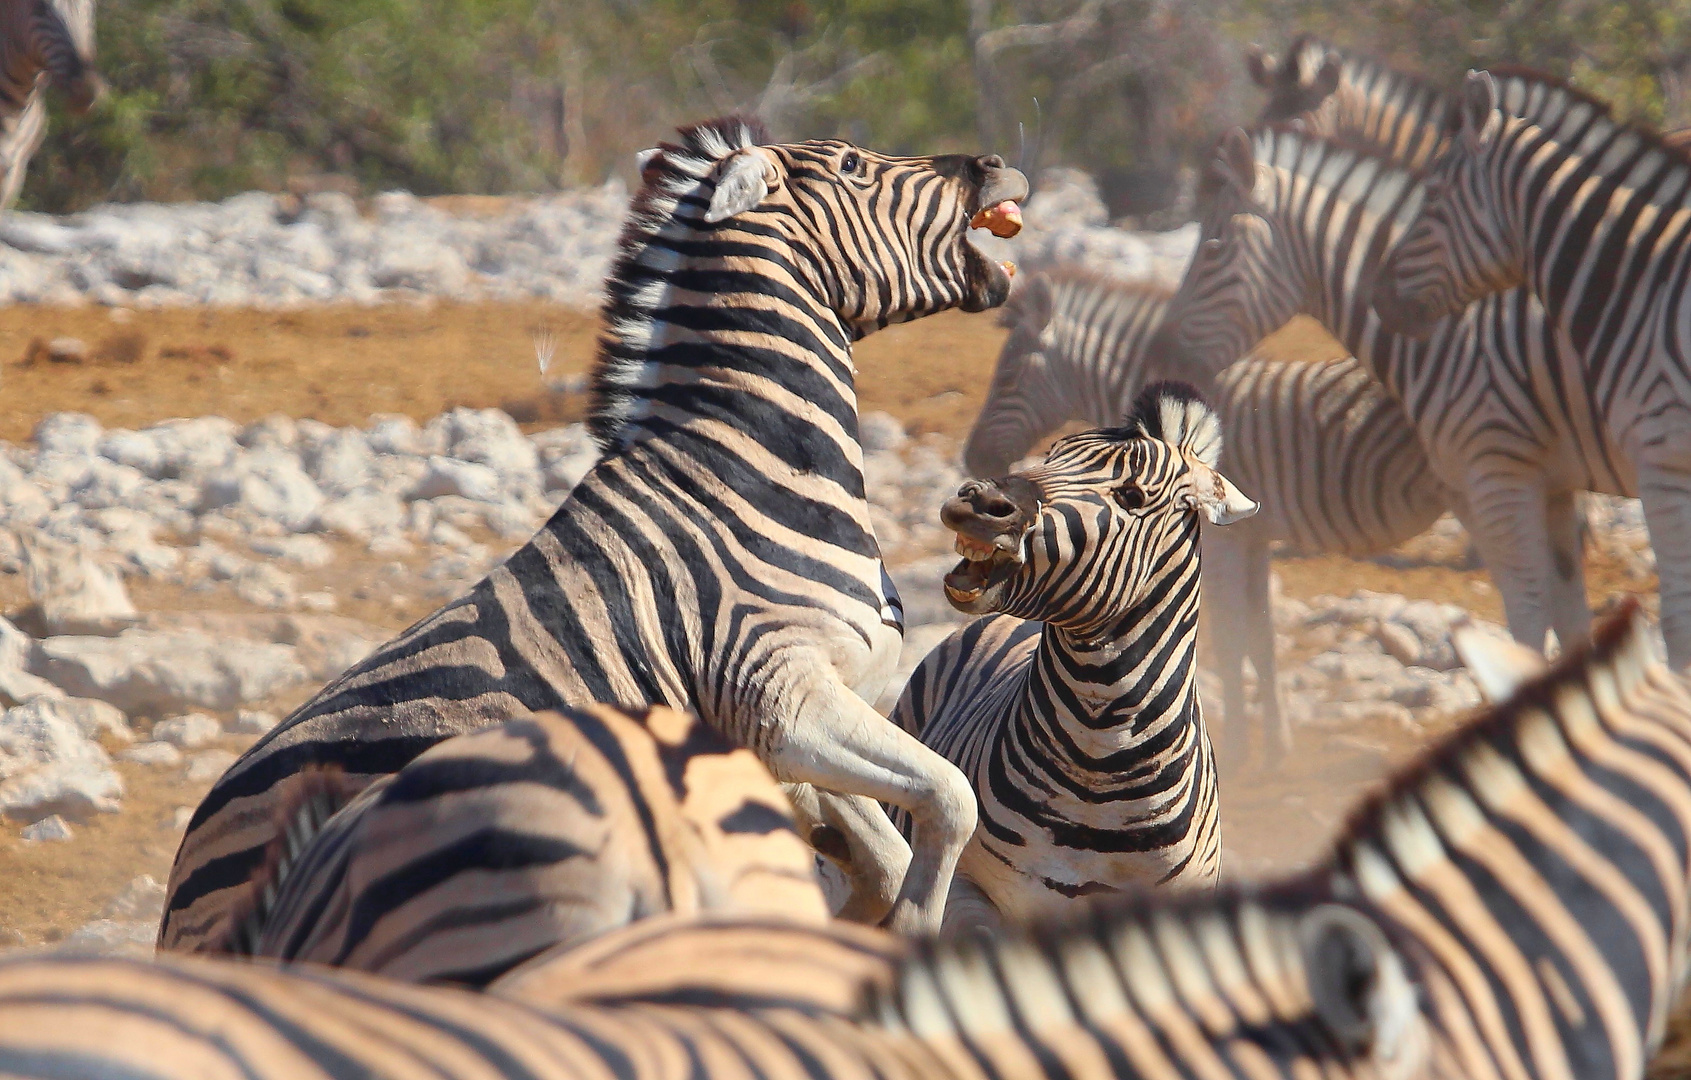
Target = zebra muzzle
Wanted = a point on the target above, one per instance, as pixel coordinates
(983, 565)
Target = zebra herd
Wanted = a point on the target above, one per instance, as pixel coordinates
(568, 825)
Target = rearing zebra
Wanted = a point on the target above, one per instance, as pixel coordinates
(55, 37)
(719, 558)
(1542, 188)
(1073, 707)
(1515, 905)
(1321, 445)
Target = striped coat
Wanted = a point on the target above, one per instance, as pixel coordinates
(1516, 904)
(495, 846)
(719, 558)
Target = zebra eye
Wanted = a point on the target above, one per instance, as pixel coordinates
(851, 163)
(1130, 496)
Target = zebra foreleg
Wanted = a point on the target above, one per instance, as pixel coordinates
(1259, 639)
(1224, 557)
(838, 742)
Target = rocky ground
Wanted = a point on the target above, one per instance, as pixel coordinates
(176, 588)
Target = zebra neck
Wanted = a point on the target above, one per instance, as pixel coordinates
(1542, 852)
(1112, 693)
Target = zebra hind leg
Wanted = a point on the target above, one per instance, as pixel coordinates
(1570, 611)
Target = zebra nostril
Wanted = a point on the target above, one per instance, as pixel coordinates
(997, 506)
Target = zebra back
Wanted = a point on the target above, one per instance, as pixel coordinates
(495, 846)
(1075, 352)
(1328, 452)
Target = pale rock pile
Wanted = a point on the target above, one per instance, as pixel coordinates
(256, 249)
(261, 250)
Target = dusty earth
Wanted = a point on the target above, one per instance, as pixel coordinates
(341, 365)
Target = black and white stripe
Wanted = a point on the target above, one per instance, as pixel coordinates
(1543, 189)
(1301, 224)
(719, 558)
(498, 845)
(1516, 904)
(54, 38)
(1073, 707)
(1328, 453)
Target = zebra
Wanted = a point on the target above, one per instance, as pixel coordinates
(1300, 223)
(1073, 706)
(51, 37)
(1516, 903)
(1324, 448)
(1339, 94)
(494, 846)
(719, 557)
(1542, 189)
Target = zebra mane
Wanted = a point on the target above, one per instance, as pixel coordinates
(1310, 52)
(1534, 77)
(1617, 659)
(1177, 414)
(668, 175)
(1072, 967)
(314, 797)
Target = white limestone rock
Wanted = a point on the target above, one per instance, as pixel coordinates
(50, 829)
(146, 672)
(188, 732)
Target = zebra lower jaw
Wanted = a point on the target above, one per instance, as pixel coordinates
(984, 565)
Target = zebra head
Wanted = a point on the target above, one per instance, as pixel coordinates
(1242, 283)
(1026, 400)
(1083, 538)
(1462, 245)
(1298, 84)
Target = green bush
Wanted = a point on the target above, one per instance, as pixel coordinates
(210, 97)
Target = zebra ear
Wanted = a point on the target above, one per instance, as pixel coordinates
(743, 179)
(1262, 66)
(1479, 106)
(1235, 161)
(1357, 983)
(1214, 496)
(1327, 79)
(1497, 664)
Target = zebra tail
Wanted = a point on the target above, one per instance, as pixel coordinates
(314, 797)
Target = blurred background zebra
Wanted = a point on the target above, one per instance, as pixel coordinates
(1545, 191)
(42, 43)
(1283, 236)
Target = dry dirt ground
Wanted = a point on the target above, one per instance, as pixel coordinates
(341, 365)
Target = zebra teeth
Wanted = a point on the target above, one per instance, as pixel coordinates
(974, 550)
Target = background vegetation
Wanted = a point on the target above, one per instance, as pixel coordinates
(210, 97)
